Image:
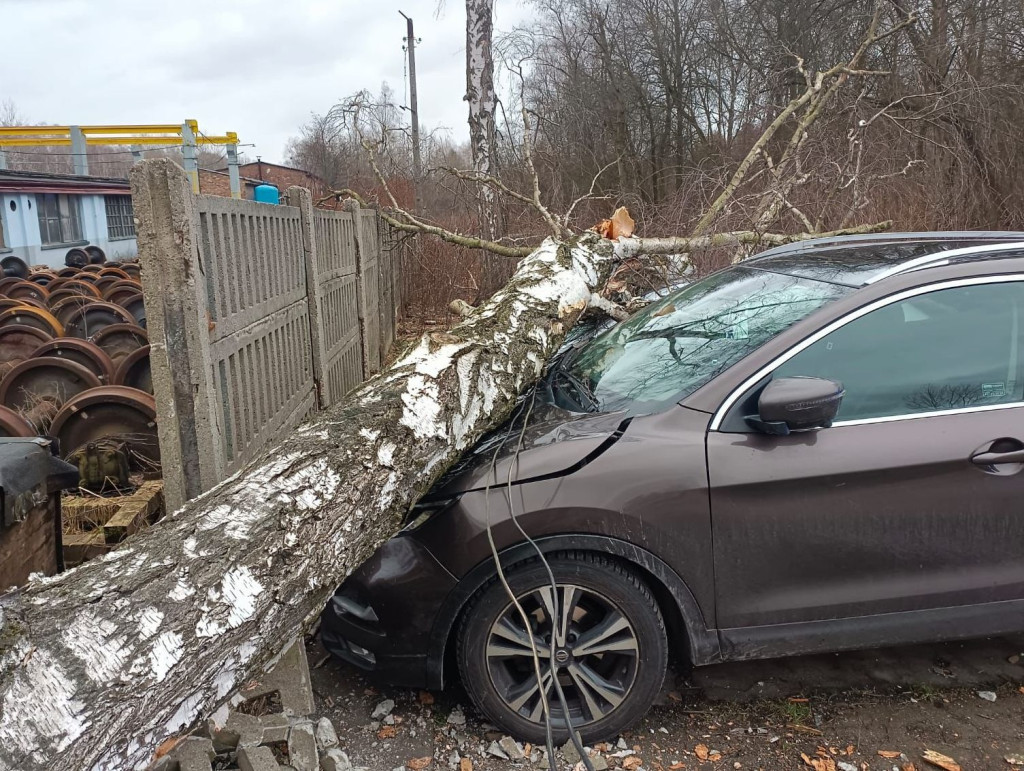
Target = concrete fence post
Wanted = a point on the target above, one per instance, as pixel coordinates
(362, 305)
(174, 289)
(301, 198)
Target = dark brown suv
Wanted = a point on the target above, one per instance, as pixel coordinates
(817, 449)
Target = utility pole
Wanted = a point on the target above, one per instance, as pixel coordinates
(417, 172)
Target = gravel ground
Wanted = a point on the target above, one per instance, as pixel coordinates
(880, 709)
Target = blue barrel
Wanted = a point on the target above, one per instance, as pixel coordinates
(267, 194)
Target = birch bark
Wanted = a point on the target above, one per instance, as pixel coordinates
(482, 105)
(99, 665)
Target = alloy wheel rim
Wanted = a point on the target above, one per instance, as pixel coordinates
(596, 655)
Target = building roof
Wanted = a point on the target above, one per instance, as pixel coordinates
(39, 182)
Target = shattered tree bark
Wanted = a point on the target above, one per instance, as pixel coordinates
(101, 664)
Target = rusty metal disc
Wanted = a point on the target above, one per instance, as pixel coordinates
(123, 288)
(67, 272)
(66, 307)
(8, 282)
(133, 269)
(115, 271)
(89, 355)
(105, 282)
(90, 319)
(42, 277)
(32, 316)
(61, 293)
(37, 388)
(27, 290)
(134, 372)
(110, 411)
(88, 276)
(12, 424)
(118, 340)
(82, 287)
(136, 306)
(96, 255)
(17, 343)
(13, 266)
(76, 258)
(7, 302)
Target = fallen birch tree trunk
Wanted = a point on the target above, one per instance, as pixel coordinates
(100, 665)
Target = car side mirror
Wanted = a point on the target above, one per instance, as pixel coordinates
(797, 404)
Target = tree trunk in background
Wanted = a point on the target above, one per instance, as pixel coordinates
(99, 665)
(482, 105)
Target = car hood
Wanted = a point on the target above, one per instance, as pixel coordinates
(555, 442)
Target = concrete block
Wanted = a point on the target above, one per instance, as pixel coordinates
(239, 730)
(195, 754)
(335, 760)
(257, 759)
(275, 728)
(326, 736)
(290, 679)
(302, 752)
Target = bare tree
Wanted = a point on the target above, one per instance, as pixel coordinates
(100, 665)
(482, 105)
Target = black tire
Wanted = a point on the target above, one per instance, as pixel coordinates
(608, 593)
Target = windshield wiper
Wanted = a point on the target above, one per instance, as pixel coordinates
(585, 398)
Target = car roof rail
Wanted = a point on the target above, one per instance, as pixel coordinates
(909, 236)
(942, 258)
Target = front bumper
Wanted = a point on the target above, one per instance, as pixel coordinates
(381, 618)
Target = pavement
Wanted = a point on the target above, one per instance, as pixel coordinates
(959, 704)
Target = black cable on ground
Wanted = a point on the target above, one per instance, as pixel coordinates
(555, 600)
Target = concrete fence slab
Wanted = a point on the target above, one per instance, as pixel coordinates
(258, 315)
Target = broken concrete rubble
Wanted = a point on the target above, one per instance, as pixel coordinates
(251, 740)
(302, 752)
(257, 759)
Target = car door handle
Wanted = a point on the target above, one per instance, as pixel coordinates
(995, 458)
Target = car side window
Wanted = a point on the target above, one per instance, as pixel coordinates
(948, 349)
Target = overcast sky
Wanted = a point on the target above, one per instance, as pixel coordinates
(256, 67)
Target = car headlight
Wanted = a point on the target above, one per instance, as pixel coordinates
(426, 509)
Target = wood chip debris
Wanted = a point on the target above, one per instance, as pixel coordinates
(939, 760)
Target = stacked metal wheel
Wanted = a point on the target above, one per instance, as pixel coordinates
(74, 355)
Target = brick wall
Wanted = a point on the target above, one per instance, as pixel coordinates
(285, 177)
(212, 183)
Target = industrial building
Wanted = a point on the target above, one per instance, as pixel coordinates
(44, 215)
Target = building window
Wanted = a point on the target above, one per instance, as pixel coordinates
(120, 217)
(59, 220)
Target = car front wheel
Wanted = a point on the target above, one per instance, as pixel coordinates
(610, 649)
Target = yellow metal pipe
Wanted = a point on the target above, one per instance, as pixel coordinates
(34, 130)
(30, 142)
(66, 130)
(129, 129)
(60, 136)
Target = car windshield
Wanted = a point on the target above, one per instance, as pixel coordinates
(672, 347)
